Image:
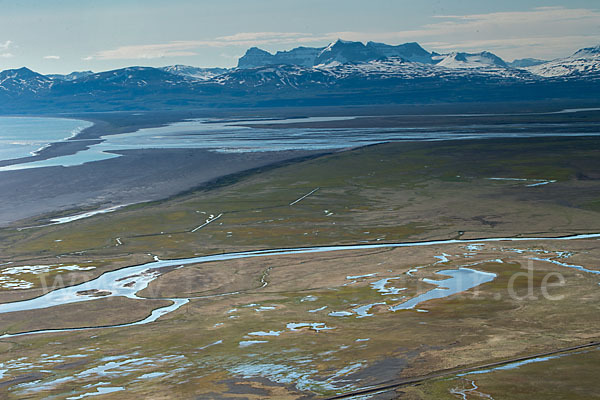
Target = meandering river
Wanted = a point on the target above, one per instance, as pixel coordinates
(127, 282)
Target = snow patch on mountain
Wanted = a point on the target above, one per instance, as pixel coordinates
(469, 60)
(338, 52)
(22, 81)
(397, 68)
(526, 62)
(407, 51)
(347, 52)
(202, 74)
(585, 62)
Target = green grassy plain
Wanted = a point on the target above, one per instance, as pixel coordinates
(386, 193)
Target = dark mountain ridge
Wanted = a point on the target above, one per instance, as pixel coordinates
(343, 73)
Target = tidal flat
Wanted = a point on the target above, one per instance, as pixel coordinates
(320, 324)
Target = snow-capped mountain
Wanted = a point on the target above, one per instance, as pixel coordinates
(276, 77)
(134, 83)
(526, 62)
(16, 82)
(396, 68)
(469, 60)
(584, 63)
(130, 76)
(344, 52)
(343, 73)
(338, 52)
(255, 58)
(203, 74)
(302, 56)
(407, 51)
(588, 52)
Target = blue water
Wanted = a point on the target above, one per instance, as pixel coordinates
(23, 136)
(130, 280)
(460, 280)
(228, 136)
(222, 136)
(127, 282)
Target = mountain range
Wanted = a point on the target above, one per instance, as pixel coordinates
(341, 73)
(340, 51)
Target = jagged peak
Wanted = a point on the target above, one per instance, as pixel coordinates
(595, 50)
(407, 44)
(22, 70)
(23, 73)
(340, 42)
(256, 50)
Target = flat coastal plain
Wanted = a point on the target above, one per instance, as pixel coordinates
(459, 269)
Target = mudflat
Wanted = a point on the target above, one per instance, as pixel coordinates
(137, 176)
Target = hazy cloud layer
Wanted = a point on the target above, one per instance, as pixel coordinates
(541, 32)
(190, 47)
(547, 32)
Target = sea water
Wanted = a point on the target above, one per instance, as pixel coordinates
(248, 136)
(25, 136)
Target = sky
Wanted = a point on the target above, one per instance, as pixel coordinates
(61, 36)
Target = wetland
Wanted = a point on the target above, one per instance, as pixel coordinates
(315, 272)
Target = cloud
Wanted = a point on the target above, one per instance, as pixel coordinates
(544, 32)
(540, 32)
(190, 47)
(148, 51)
(261, 36)
(5, 45)
(51, 57)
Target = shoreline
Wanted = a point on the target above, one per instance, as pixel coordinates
(138, 176)
(83, 140)
(67, 146)
(37, 154)
(424, 118)
(143, 175)
(74, 133)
